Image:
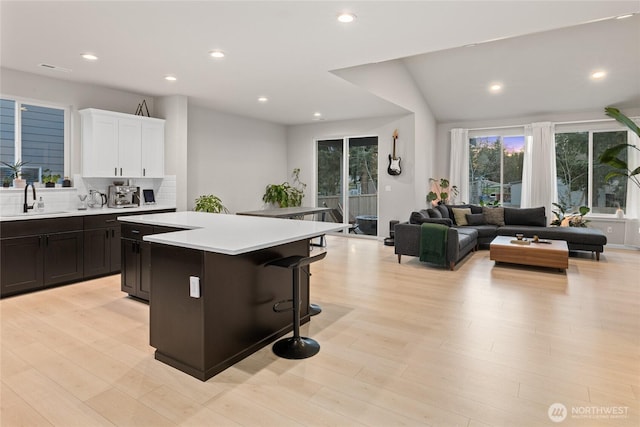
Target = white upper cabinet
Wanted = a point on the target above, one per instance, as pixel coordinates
(121, 145)
(153, 149)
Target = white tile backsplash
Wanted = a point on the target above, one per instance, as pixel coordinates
(65, 199)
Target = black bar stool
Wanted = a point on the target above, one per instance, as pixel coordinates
(296, 347)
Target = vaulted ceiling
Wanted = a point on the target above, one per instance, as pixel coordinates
(541, 52)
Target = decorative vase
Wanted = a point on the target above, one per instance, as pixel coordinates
(19, 183)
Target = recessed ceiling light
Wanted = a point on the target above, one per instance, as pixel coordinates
(171, 78)
(346, 17)
(216, 54)
(263, 99)
(495, 87)
(629, 15)
(597, 75)
(89, 56)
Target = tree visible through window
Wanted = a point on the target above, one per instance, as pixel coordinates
(495, 169)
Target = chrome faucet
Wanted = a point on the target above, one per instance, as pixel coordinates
(26, 207)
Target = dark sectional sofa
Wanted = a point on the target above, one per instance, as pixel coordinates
(472, 226)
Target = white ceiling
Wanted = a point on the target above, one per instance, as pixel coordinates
(286, 51)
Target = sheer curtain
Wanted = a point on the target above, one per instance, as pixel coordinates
(459, 163)
(633, 192)
(539, 168)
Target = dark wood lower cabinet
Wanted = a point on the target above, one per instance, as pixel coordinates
(102, 251)
(136, 261)
(22, 264)
(63, 257)
(40, 253)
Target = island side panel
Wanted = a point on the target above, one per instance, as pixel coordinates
(176, 319)
(234, 316)
(240, 294)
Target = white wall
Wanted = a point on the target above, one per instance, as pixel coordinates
(392, 81)
(398, 201)
(234, 158)
(68, 94)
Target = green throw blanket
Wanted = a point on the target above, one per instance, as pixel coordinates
(433, 243)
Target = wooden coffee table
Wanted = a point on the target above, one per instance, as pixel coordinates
(552, 255)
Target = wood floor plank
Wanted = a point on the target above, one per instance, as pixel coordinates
(401, 344)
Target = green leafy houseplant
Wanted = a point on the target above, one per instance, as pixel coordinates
(16, 168)
(285, 195)
(573, 219)
(49, 179)
(210, 203)
(440, 192)
(611, 156)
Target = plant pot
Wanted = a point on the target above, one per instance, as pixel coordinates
(6, 184)
(19, 183)
(50, 184)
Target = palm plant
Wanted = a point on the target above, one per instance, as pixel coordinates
(611, 156)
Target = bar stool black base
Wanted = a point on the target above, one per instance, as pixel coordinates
(314, 309)
(296, 348)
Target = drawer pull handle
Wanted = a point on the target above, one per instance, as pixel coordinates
(135, 231)
(110, 220)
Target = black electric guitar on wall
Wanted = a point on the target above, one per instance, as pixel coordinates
(394, 162)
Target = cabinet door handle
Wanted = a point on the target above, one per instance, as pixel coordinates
(144, 171)
(135, 231)
(39, 241)
(113, 233)
(106, 233)
(115, 171)
(120, 171)
(46, 241)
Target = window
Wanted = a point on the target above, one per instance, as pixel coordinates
(495, 169)
(34, 134)
(580, 177)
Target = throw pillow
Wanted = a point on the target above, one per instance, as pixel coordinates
(460, 215)
(418, 217)
(434, 213)
(493, 216)
(476, 219)
(525, 216)
(444, 211)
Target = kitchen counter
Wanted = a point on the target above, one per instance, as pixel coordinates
(60, 213)
(212, 292)
(229, 234)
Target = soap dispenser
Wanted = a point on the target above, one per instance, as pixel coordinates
(40, 205)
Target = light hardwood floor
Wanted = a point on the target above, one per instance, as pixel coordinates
(400, 345)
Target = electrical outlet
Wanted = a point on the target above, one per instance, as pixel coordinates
(194, 287)
(609, 230)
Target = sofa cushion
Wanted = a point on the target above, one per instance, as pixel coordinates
(443, 211)
(460, 215)
(434, 213)
(475, 219)
(493, 216)
(577, 235)
(487, 230)
(417, 217)
(420, 217)
(525, 216)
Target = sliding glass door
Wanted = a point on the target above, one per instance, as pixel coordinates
(354, 200)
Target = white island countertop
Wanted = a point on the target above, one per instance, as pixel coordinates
(229, 234)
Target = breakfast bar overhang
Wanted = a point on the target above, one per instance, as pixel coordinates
(212, 295)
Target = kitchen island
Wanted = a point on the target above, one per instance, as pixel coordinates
(211, 300)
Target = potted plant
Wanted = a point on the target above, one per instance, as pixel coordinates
(49, 180)
(16, 172)
(285, 195)
(573, 219)
(440, 191)
(210, 203)
(610, 155)
(6, 182)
